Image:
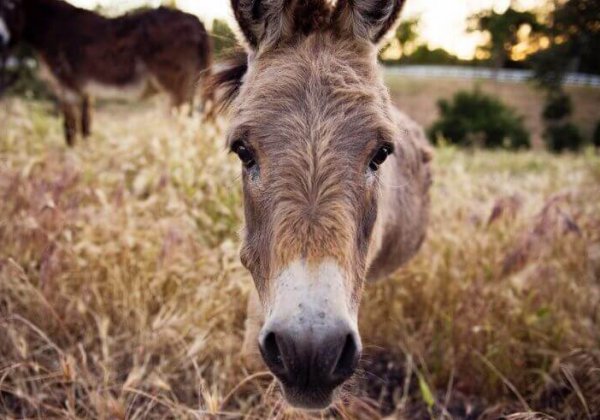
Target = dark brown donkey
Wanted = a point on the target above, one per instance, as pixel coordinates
(84, 54)
(336, 181)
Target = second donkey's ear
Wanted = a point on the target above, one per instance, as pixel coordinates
(370, 20)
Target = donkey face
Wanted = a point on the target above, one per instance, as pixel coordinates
(312, 125)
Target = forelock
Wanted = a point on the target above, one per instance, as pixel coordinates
(321, 80)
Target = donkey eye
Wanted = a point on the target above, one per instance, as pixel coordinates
(381, 156)
(244, 153)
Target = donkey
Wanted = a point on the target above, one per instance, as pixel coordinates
(335, 181)
(83, 54)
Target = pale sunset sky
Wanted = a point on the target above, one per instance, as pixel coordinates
(443, 22)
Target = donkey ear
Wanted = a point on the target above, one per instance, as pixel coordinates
(262, 22)
(367, 19)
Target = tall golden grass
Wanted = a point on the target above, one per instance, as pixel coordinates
(121, 293)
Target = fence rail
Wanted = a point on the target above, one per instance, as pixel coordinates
(475, 73)
(451, 72)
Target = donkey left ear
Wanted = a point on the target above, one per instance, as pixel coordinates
(258, 20)
(370, 20)
(264, 23)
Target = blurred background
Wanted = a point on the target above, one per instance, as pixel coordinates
(534, 64)
(121, 290)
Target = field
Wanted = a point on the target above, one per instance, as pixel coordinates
(121, 293)
(419, 98)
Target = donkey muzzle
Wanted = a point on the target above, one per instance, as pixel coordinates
(310, 366)
(310, 338)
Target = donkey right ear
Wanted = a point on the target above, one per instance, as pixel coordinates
(370, 20)
(262, 22)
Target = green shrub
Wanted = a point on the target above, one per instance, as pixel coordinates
(596, 138)
(224, 41)
(557, 107)
(474, 118)
(563, 137)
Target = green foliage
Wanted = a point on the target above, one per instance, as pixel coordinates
(551, 65)
(23, 79)
(596, 138)
(502, 29)
(562, 137)
(424, 55)
(558, 106)
(224, 40)
(577, 23)
(408, 31)
(474, 118)
(574, 34)
(406, 34)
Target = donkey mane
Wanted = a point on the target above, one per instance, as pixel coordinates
(226, 80)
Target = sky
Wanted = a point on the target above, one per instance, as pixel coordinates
(443, 22)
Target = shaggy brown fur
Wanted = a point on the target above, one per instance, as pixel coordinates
(310, 105)
(82, 52)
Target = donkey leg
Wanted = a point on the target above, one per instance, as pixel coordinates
(86, 116)
(254, 320)
(70, 122)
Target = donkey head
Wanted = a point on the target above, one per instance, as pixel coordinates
(312, 125)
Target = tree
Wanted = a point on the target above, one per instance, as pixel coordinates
(224, 40)
(574, 33)
(423, 55)
(406, 34)
(503, 30)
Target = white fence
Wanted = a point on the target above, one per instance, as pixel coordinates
(454, 72)
(475, 73)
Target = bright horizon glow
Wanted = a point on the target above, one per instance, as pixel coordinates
(443, 22)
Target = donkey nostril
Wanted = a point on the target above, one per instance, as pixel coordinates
(348, 359)
(272, 353)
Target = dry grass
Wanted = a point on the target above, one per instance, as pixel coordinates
(121, 294)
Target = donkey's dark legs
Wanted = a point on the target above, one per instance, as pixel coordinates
(70, 122)
(86, 116)
(191, 103)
